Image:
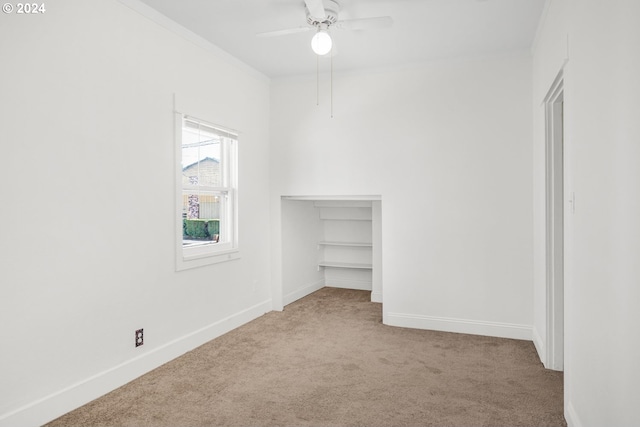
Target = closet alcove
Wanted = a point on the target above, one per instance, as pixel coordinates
(332, 241)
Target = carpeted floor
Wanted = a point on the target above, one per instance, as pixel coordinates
(328, 360)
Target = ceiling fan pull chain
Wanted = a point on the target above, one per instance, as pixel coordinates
(331, 86)
(317, 80)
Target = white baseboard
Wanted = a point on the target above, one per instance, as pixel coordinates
(571, 416)
(303, 292)
(360, 285)
(539, 344)
(376, 296)
(463, 326)
(59, 403)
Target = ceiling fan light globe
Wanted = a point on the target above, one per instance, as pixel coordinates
(321, 43)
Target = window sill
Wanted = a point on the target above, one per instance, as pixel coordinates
(185, 263)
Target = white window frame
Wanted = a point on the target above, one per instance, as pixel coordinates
(227, 249)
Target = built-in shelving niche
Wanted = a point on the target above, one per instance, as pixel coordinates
(333, 242)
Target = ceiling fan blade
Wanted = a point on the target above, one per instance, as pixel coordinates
(316, 9)
(284, 32)
(364, 23)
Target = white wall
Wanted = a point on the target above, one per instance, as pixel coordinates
(448, 146)
(300, 234)
(87, 183)
(602, 133)
(550, 56)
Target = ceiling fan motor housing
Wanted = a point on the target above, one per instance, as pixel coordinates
(331, 8)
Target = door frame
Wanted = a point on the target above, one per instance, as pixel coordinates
(555, 190)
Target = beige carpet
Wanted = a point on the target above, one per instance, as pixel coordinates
(328, 360)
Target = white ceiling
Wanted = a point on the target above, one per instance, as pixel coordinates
(422, 30)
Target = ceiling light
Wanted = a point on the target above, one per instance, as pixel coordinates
(321, 43)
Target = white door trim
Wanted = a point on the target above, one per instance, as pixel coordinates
(554, 201)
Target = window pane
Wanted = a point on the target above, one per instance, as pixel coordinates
(201, 217)
(201, 155)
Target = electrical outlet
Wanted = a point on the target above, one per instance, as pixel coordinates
(139, 337)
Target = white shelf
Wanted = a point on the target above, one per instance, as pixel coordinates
(352, 244)
(338, 264)
(346, 219)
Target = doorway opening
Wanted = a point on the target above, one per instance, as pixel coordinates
(555, 224)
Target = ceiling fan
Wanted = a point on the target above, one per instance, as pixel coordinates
(322, 16)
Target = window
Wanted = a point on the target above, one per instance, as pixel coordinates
(206, 193)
